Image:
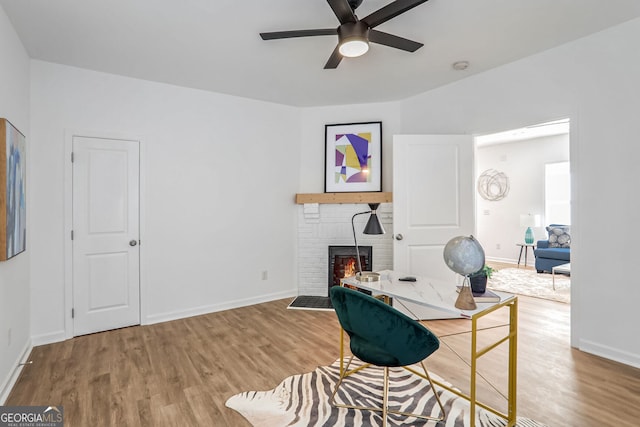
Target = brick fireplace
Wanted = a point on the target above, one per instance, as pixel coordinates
(324, 225)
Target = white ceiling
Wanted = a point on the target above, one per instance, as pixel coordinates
(214, 44)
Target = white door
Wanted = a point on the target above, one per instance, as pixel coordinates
(433, 182)
(106, 290)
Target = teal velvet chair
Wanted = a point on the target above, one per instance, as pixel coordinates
(381, 335)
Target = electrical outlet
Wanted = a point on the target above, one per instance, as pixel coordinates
(265, 275)
(497, 245)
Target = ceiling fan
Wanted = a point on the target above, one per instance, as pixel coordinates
(355, 34)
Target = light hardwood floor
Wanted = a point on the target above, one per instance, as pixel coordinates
(182, 372)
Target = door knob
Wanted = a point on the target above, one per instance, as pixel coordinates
(399, 236)
(133, 242)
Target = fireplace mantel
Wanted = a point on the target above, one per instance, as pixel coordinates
(339, 198)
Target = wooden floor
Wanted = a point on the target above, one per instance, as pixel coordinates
(182, 372)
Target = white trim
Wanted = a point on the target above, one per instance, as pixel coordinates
(207, 309)
(68, 217)
(142, 215)
(10, 381)
(49, 338)
(610, 353)
(575, 328)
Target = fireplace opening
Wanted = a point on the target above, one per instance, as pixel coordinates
(343, 262)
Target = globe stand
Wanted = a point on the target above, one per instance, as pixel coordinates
(465, 256)
(465, 299)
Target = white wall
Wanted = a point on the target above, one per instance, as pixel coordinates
(313, 121)
(523, 162)
(219, 173)
(14, 273)
(593, 81)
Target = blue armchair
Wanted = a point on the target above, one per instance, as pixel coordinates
(554, 251)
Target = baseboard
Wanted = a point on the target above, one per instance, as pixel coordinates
(610, 353)
(49, 338)
(10, 381)
(503, 260)
(206, 309)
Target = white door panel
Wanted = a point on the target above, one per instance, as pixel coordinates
(107, 281)
(106, 292)
(432, 202)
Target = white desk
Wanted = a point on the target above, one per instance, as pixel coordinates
(441, 296)
(438, 295)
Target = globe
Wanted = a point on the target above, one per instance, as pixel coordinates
(464, 255)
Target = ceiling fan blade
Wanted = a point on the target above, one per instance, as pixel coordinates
(343, 11)
(390, 11)
(334, 59)
(298, 33)
(390, 40)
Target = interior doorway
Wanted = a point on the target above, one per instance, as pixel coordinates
(523, 181)
(102, 220)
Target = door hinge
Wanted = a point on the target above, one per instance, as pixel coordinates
(73, 313)
(71, 234)
(72, 158)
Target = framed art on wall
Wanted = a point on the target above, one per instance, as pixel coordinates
(13, 214)
(353, 157)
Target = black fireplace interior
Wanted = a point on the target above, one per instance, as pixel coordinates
(343, 262)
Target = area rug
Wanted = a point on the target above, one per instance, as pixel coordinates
(530, 283)
(303, 400)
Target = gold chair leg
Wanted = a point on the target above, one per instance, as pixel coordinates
(343, 374)
(433, 389)
(385, 396)
(435, 393)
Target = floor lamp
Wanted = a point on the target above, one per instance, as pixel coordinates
(373, 227)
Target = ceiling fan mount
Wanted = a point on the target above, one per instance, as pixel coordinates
(354, 34)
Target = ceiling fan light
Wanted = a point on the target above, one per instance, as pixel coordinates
(354, 47)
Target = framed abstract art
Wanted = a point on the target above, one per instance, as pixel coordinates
(353, 157)
(13, 214)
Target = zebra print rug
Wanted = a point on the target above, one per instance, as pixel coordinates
(303, 400)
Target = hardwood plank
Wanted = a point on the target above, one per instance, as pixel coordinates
(184, 371)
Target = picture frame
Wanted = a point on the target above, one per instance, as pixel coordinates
(13, 214)
(353, 157)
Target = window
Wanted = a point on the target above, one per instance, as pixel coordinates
(557, 189)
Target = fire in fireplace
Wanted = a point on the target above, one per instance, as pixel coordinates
(343, 262)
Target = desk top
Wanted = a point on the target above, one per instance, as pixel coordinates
(434, 293)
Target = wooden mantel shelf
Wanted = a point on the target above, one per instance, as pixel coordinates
(337, 198)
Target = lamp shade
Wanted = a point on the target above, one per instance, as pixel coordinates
(374, 226)
(529, 220)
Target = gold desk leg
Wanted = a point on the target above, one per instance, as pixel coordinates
(512, 368)
(513, 362)
(474, 370)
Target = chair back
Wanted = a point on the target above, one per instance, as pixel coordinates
(379, 333)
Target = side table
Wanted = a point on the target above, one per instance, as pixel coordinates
(564, 268)
(525, 247)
